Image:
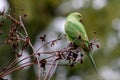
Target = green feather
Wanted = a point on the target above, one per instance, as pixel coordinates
(92, 61)
(76, 33)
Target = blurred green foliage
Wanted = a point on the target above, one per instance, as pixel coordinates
(41, 12)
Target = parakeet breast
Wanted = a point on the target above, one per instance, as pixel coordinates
(75, 32)
(74, 29)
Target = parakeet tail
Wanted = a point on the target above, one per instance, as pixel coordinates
(92, 61)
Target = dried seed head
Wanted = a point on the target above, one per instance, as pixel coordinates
(81, 55)
(81, 60)
(25, 15)
(43, 63)
(97, 46)
(42, 38)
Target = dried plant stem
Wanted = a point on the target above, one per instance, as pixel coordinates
(22, 25)
(16, 68)
(49, 70)
(21, 34)
(15, 62)
(51, 53)
(20, 41)
(55, 66)
(58, 64)
(45, 45)
(37, 57)
(13, 19)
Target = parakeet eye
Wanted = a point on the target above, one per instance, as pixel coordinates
(81, 20)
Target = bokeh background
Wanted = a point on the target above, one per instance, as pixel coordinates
(48, 17)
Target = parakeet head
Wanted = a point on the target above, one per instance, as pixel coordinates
(76, 16)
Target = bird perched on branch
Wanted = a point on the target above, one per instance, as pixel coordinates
(76, 34)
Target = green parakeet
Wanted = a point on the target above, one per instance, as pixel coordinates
(76, 33)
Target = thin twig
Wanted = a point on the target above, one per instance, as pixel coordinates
(51, 53)
(55, 66)
(45, 45)
(21, 34)
(55, 55)
(49, 70)
(15, 69)
(23, 26)
(13, 19)
(30, 45)
(15, 62)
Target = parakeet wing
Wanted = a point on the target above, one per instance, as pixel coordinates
(74, 29)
